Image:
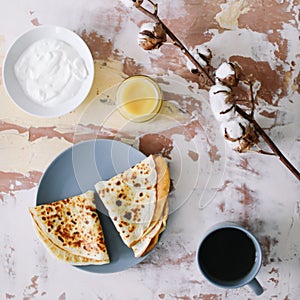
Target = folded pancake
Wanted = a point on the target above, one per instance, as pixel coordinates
(71, 230)
(159, 220)
(136, 201)
(162, 190)
(148, 242)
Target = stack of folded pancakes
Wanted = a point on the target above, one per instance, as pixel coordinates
(136, 201)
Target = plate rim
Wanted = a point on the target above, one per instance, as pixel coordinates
(91, 268)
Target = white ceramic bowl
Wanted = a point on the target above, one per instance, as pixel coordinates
(15, 90)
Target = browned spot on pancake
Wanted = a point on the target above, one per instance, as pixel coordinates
(136, 214)
(128, 215)
(124, 223)
(131, 227)
(60, 238)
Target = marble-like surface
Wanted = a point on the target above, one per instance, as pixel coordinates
(212, 182)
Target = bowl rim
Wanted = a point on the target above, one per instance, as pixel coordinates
(34, 34)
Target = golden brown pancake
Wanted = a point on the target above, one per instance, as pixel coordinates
(136, 201)
(71, 230)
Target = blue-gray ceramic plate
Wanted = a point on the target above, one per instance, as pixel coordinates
(75, 171)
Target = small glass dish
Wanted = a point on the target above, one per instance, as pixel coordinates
(139, 98)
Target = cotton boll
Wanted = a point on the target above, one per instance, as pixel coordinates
(127, 3)
(204, 51)
(151, 36)
(227, 75)
(221, 103)
(225, 70)
(235, 129)
(149, 26)
(223, 112)
(145, 33)
(241, 134)
(219, 88)
(131, 3)
(202, 54)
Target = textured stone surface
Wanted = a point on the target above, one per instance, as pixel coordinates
(211, 183)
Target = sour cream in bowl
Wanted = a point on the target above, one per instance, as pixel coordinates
(48, 71)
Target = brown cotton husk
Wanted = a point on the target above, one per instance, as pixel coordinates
(152, 39)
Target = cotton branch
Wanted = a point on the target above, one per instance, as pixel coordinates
(209, 81)
(154, 16)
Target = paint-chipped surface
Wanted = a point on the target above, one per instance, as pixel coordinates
(210, 182)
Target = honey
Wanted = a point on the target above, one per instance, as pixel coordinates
(139, 98)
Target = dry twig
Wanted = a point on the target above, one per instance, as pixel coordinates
(209, 81)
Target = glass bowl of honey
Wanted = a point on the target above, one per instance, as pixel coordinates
(139, 98)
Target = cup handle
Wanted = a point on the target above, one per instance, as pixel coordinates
(256, 287)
